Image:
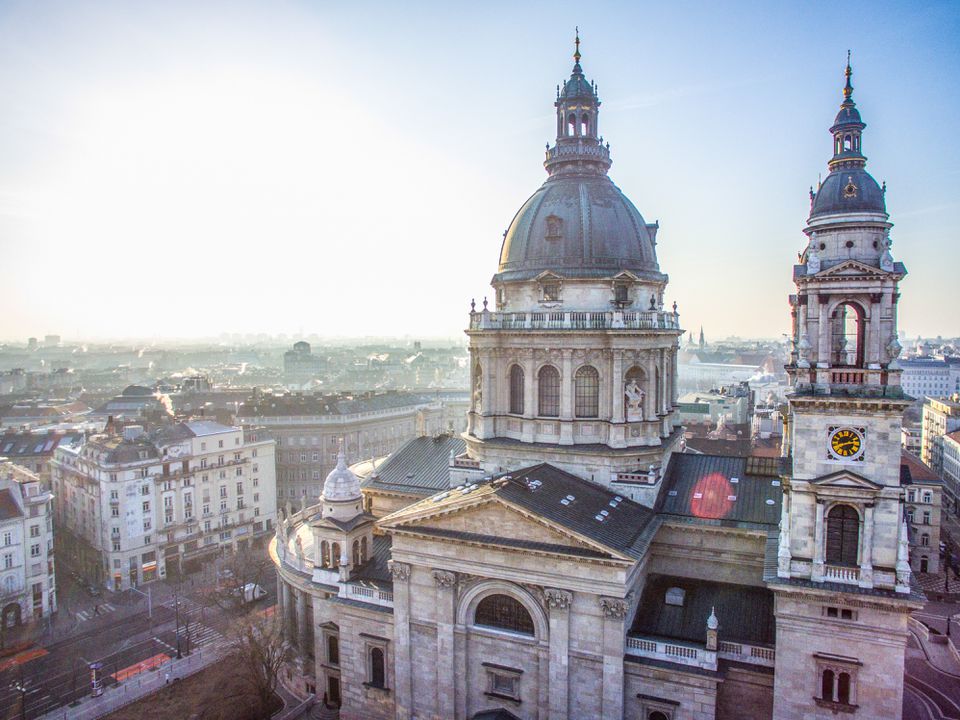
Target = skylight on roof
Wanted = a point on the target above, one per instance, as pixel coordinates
(599, 518)
(775, 483)
(697, 496)
(731, 498)
(770, 502)
(564, 501)
(672, 493)
(734, 480)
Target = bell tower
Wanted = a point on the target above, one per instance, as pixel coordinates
(842, 533)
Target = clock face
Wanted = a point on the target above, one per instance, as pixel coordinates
(846, 442)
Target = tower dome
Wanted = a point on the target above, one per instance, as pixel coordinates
(341, 484)
(849, 188)
(578, 224)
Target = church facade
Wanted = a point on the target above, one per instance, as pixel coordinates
(576, 563)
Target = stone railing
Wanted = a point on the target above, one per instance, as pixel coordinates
(841, 574)
(754, 654)
(465, 461)
(672, 651)
(567, 320)
(366, 594)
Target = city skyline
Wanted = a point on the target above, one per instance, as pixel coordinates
(182, 172)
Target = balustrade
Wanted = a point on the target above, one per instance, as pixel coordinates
(575, 320)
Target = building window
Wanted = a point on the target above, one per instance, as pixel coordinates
(843, 535)
(926, 517)
(620, 294)
(377, 668)
(324, 554)
(925, 540)
(928, 497)
(587, 392)
(8, 538)
(503, 682)
(333, 650)
(335, 556)
(837, 681)
(356, 553)
(516, 390)
(505, 613)
(363, 549)
(551, 292)
(548, 392)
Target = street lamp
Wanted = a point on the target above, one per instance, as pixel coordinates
(177, 606)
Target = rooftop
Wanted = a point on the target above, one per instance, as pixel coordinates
(722, 490)
(420, 467)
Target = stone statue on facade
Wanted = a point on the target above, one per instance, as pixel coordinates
(478, 393)
(635, 397)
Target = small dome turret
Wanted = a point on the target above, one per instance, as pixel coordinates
(341, 484)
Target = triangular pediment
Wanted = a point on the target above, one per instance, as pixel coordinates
(485, 517)
(547, 275)
(625, 276)
(850, 268)
(846, 479)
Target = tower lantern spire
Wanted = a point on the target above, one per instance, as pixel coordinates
(576, 52)
(848, 88)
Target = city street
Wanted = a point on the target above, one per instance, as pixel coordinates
(116, 631)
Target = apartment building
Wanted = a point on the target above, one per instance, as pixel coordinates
(27, 575)
(139, 506)
(939, 418)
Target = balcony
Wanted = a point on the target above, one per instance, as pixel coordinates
(753, 654)
(841, 574)
(366, 594)
(672, 651)
(611, 320)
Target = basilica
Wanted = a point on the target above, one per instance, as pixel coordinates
(565, 558)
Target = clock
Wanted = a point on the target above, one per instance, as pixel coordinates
(846, 443)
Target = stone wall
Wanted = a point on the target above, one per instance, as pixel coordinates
(745, 693)
(689, 695)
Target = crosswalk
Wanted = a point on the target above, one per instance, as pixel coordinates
(191, 619)
(101, 609)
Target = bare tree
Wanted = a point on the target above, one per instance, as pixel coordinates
(260, 649)
(236, 572)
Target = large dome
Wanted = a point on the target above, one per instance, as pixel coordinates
(848, 190)
(578, 227)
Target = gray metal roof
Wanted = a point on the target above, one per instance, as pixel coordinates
(831, 197)
(717, 489)
(597, 230)
(420, 467)
(623, 520)
(745, 612)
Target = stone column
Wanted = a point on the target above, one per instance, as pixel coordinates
(823, 332)
(280, 601)
(402, 670)
(675, 390)
(302, 639)
(866, 556)
(559, 678)
(784, 555)
(289, 616)
(816, 573)
(566, 398)
(614, 613)
(446, 659)
(616, 387)
(871, 350)
(529, 395)
(649, 400)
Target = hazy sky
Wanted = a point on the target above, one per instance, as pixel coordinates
(348, 168)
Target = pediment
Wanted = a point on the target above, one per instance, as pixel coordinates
(625, 276)
(846, 480)
(850, 268)
(490, 516)
(547, 275)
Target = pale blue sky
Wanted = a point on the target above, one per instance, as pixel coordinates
(185, 169)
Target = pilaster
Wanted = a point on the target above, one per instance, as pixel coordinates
(446, 658)
(614, 613)
(403, 670)
(558, 602)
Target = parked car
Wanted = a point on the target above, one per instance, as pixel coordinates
(251, 592)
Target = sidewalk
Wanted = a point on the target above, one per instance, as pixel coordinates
(116, 696)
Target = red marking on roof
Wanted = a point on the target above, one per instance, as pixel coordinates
(711, 497)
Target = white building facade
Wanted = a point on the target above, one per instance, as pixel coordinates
(27, 573)
(140, 507)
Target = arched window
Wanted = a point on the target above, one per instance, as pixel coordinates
(504, 612)
(826, 685)
(843, 688)
(335, 556)
(925, 540)
(378, 672)
(848, 342)
(356, 553)
(657, 715)
(572, 124)
(548, 392)
(587, 392)
(363, 549)
(324, 554)
(843, 535)
(585, 125)
(516, 390)
(333, 650)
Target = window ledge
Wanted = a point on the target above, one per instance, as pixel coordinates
(371, 686)
(501, 696)
(836, 706)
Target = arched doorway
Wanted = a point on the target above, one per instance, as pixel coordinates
(848, 335)
(12, 615)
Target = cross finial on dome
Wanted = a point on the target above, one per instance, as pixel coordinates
(848, 88)
(576, 42)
